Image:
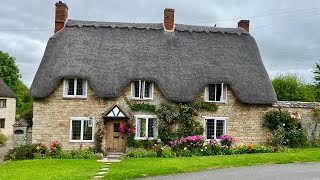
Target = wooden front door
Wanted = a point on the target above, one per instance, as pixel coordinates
(115, 141)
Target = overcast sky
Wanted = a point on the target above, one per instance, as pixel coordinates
(287, 32)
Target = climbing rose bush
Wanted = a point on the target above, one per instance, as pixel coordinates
(127, 128)
(55, 148)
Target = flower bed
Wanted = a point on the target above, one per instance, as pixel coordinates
(198, 146)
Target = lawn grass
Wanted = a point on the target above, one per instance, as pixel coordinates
(50, 169)
(141, 167)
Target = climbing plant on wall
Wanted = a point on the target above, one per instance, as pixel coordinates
(177, 120)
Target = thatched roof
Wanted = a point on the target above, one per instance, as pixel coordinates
(5, 91)
(181, 63)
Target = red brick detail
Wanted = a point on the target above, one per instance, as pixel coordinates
(168, 19)
(61, 16)
(245, 24)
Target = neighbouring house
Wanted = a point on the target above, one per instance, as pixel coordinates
(7, 109)
(89, 70)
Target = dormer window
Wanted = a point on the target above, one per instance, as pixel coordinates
(142, 90)
(75, 88)
(216, 93)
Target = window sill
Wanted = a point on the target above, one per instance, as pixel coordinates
(138, 139)
(81, 141)
(219, 102)
(74, 97)
(138, 99)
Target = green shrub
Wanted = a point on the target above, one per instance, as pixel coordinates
(3, 139)
(141, 153)
(167, 152)
(285, 130)
(21, 153)
(261, 149)
(315, 143)
(184, 153)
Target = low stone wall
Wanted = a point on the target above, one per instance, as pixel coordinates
(303, 111)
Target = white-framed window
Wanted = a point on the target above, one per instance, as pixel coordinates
(75, 88)
(142, 90)
(81, 129)
(146, 127)
(216, 93)
(3, 103)
(214, 127)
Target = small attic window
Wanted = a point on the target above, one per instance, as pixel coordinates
(216, 93)
(75, 88)
(3, 103)
(142, 90)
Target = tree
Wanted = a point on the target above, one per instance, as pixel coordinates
(290, 87)
(9, 72)
(317, 75)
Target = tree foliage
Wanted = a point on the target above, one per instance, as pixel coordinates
(317, 74)
(9, 72)
(291, 87)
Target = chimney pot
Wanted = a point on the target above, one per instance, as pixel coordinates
(61, 16)
(245, 24)
(168, 22)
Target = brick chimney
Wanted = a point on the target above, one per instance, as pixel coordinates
(244, 24)
(168, 21)
(61, 16)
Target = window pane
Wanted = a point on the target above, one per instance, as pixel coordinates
(3, 103)
(70, 87)
(210, 128)
(141, 129)
(211, 91)
(116, 127)
(76, 130)
(80, 87)
(147, 89)
(152, 127)
(220, 128)
(224, 92)
(219, 92)
(136, 89)
(2, 123)
(87, 130)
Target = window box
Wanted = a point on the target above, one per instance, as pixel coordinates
(75, 88)
(81, 129)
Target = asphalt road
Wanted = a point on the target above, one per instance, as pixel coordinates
(305, 171)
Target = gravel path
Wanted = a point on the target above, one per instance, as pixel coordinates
(295, 171)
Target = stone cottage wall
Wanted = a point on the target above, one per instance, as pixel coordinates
(52, 115)
(9, 113)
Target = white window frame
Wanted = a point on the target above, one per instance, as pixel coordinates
(82, 119)
(147, 125)
(141, 90)
(223, 91)
(215, 125)
(65, 84)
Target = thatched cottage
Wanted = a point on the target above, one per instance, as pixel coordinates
(90, 68)
(7, 109)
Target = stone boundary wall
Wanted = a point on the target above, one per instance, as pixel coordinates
(296, 104)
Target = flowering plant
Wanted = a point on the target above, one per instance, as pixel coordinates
(226, 140)
(127, 128)
(41, 148)
(55, 148)
(189, 142)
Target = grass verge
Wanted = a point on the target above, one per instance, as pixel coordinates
(142, 167)
(50, 169)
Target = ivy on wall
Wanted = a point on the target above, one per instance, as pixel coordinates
(177, 116)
